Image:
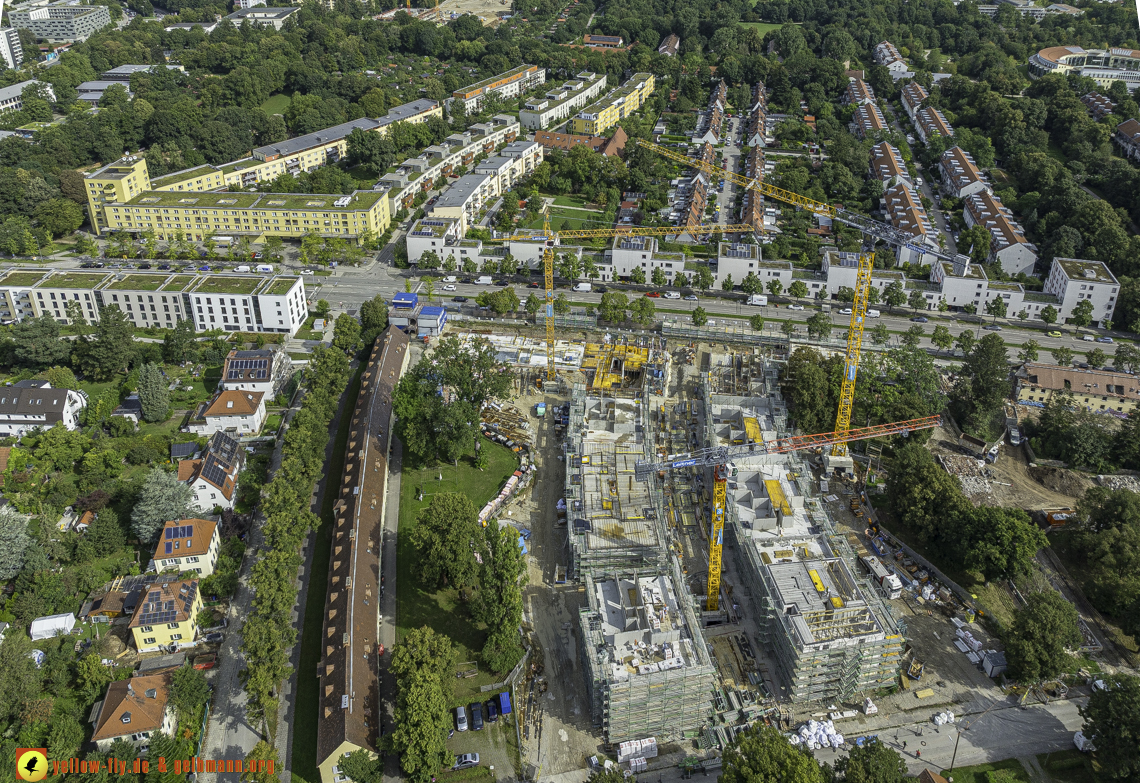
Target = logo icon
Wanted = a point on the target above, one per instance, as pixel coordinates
(31, 764)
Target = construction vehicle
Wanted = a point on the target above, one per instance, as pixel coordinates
(721, 460)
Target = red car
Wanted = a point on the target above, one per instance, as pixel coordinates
(653, 295)
(205, 661)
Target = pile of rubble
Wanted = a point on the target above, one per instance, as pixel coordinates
(1119, 482)
(973, 474)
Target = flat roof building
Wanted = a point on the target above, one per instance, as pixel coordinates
(263, 16)
(1103, 66)
(506, 85)
(614, 107)
(62, 21)
(559, 103)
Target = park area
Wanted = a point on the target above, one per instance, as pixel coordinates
(443, 610)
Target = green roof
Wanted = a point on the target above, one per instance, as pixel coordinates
(326, 202)
(22, 278)
(139, 282)
(224, 284)
(193, 199)
(178, 283)
(280, 286)
(492, 79)
(1000, 286)
(1075, 268)
(75, 280)
(246, 163)
(182, 176)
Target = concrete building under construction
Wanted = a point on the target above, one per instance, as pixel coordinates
(823, 623)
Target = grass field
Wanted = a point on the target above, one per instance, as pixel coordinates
(763, 27)
(308, 688)
(978, 774)
(568, 219)
(276, 104)
(442, 610)
(1068, 766)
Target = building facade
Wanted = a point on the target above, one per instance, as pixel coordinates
(506, 85)
(959, 174)
(133, 710)
(212, 478)
(1127, 136)
(1008, 245)
(11, 50)
(614, 107)
(1103, 66)
(262, 15)
(188, 545)
(11, 98)
(1073, 280)
(239, 412)
(912, 95)
(1099, 391)
(34, 405)
(167, 616)
(61, 22)
(560, 103)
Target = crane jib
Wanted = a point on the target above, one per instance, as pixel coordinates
(685, 463)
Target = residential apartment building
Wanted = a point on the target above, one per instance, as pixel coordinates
(31, 405)
(506, 85)
(1008, 245)
(457, 154)
(11, 51)
(1099, 106)
(887, 55)
(11, 98)
(248, 3)
(930, 123)
(249, 304)
(265, 370)
(263, 16)
(959, 174)
(167, 616)
(147, 299)
(603, 41)
(1103, 66)
(516, 161)
(123, 73)
(752, 203)
(887, 165)
(134, 710)
(868, 121)
(670, 46)
(905, 212)
(756, 132)
(629, 253)
(212, 477)
(568, 141)
(712, 120)
(560, 103)
(1073, 280)
(238, 412)
(1127, 136)
(61, 22)
(858, 93)
(1094, 390)
(614, 107)
(464, 198)
(913, 94)
(188, 545)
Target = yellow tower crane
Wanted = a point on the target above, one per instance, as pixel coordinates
(872, 230)
(550, 239)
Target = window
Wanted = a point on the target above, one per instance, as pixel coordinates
(148, 640)
(146, 628)
(176, 637)
(172, 625)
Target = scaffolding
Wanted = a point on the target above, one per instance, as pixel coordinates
(611, 366)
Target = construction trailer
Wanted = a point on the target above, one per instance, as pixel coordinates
(647, 664)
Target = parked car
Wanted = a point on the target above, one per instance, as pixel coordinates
(1104, 339)
(920, 320)
(534, 285)
(653, 294)
(845, 311)
(1088, 338)
(307, 272)
(144, 266)
(466, 760)
(476, 715)
(164, 267)
(257, 256)
(493, 704)
(1055, 333)
(213, 638)
(691, 298)
(204, 269)
(88, 265)
(460, 718)
(992, 328)
(795, 307)
(449, 287)
(460, 299)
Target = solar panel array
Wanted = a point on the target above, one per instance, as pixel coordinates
(180, 531)
(224, 448)
(258, 368)
(183, 449)
(156, 611)
(738, 251)
(213, 471)
(189, 592)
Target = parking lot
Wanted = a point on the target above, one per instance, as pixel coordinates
(496, 743)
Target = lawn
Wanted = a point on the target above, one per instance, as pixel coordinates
(569, 201)
(570, 219)
(1068, 766)
(762, 27)
(272, 424)
(308, 688)
(276, 104)
(977, 774)
(441, 609)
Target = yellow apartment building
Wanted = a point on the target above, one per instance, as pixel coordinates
(614, 107)
(167, 616)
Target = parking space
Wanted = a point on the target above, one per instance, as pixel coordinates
(496, 743)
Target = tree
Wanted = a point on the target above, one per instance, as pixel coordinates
(561, 304)
(913, 336)
(763, 755)
(153, 393)
(20, 678)
(872, 762)
(1082, 313)
(362, 767)
(1041, 633)
(189, 692)
(727, 284)
(373, 318)
(775, 287)
(751, 284)
(757, 323)
(110, 348)
(162, 498)
(257, 772)
(1127, 357)
(798, 289)
(1112, 716)
(1000, 542)
(59, 216)
(590, 268)
(658, 276)
(637, 276)
(703, 278)
(323, 308)
(499, 604)
(681, 280)
(983, 382)
(788, 329)
(997, 307)
(470, 374)
(880, 335)
(346, 334)
(613, 306)
(1023, 315)
(14, 541)
(419, 663)
(916, 300)
(700, 317)
(921, 492)
(894, 295)
(179, 343)
(1049, 314)
(819, 326)
(1096, 357)
(942, 338)
(533, 304)
(61, 378)
(37, 343)
(569, 266)
(1028, 352)
(1062, 356)
(643, 311)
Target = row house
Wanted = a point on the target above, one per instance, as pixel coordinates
(887, 165)
(1127, 136)
(756, 131)
(930, 123)
(1098, 106)
(913, 94)
(888, 56)
(752, 208)
(959, 174)
(1008, 245)
(905, 212)
(858, 93)
(868, 121)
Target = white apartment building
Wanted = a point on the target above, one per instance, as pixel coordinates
(960, 175)
(517, 161)
(1073, 280)
(629, 253)
(273, 305)
(913, 94)
(1008, 245)
(11, 51)
(32, 404)
(562, 103)
(506, 85)
(231, 411)
(11, 98)
(262, 15)
(464, 198)
(905, 212)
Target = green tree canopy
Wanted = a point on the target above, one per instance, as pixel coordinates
(763, 755)
(163, 498)
(448, 538)
(153, 393)
(1112, 717)
(1040, 635)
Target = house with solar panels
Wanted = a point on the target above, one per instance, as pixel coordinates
(188, 545)
(265, 370)
(167, 616)
(213, 477)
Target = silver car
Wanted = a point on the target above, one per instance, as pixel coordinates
(461, 718)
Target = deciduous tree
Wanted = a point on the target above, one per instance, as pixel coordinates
(763, 755)
(110, 348)
(871, 762)
(1112, 716)
(14, 540)
(1041, 633)
(346, 334)
(162, 498)
(700, 317)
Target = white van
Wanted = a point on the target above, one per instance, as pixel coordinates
(872, 313)
(759, 300)
(582, 286)
(267, 268)
(484, 280)
(671, 295)
(242, 269)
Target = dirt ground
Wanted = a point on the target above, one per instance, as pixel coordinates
(1013, 483)
(487, 10)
